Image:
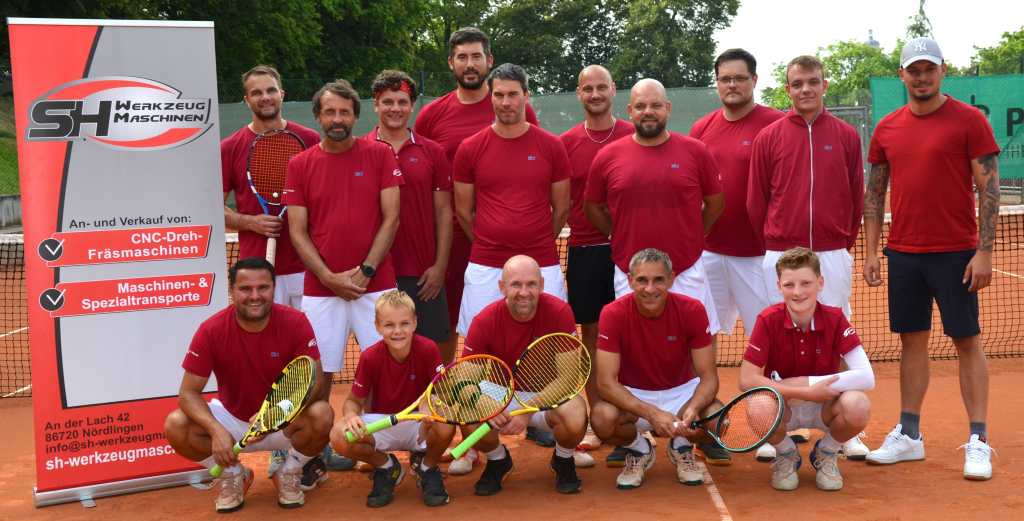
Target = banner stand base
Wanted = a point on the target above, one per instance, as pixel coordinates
(91, 492)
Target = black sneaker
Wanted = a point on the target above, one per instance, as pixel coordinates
(566, 481)
(616, 458)
(494, 473)
(314, 472)
(714, 454)
(431, 484)
(384, 483)
(542, 438)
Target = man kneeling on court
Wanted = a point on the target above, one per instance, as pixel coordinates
(796, 347)
(655, 371)
(246, 346)
(504, 329)
(392, 374)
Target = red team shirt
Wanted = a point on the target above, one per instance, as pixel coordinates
(449, 122)
(393, 385)
(931, 154)
(730, 144)
(655, 352)
(246, 364)
(425, 170)
(778, 345)
(234, 151)
(655, 196)
(494, 332)
(582, 149)
(341, 193)
(512, 180)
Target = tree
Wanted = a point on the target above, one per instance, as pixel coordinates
(849, 65)
(1006, 57)
(920, 26)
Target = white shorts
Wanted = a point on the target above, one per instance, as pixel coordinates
(691, 283)
(836, 269)
(805, 415)
(334, 319)
(671, 400)
(403, 436)
(238, 428)
(737, 288)
(538, 420)
(481, 288)
(288, 289)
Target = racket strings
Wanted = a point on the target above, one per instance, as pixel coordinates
(289, 392)
(551, 371)
(268, 164)
(471, 390)
(749, 421)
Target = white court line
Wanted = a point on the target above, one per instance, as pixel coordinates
(1008, 273)
(716, 498)
(15, 332)
(23, 389)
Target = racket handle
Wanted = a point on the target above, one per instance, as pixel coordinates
(271, 250)
(471, 440)
(379, 425)
(216, 470)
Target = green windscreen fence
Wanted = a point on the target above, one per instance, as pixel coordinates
(1000, 97)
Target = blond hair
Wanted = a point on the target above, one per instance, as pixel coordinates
(796, 258)
(395, 298)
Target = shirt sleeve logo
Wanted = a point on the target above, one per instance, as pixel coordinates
(312, 343)
(752, 346)
(396, 172)
(849, 331)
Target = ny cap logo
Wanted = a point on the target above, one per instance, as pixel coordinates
(920, 46)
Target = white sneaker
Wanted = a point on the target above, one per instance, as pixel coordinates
(232, 490)
(582, 459)
(636, 465)
(784, 470)
(897, 447)
(463, 465)
(765, 452)
(590, 442)
(827, 465)
(650, 438)
(854, 449)
(687, 471)
(977, 459)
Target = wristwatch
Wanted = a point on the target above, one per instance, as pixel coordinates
(368, 271)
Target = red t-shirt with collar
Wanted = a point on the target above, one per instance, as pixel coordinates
(234, 151)
(655, 196)
(391, 385)
(341, 194)
(512, 181)
(582, 145)
(929, 160)
(494, 332)
(247, 364)
(776, 344)
(730, 144)
(425, 170)
(654, 352)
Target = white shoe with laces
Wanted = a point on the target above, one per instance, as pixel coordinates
(582, 459)
(854, 449)
(977, 459)
(784, 470)
(765, 452)
(636, 465)
(463, 465)
(897, 447)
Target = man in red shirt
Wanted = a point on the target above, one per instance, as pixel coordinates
(264, 96)
(449, 120)
(806, 184)
(590, 271)
(655, 371)
(653, 183)
(933, 148)
(392, 374)
(504, 329)
(511, 195)
(246, 346)
(796, 348)
(343, 200)
(424, 236)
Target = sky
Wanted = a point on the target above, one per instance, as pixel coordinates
(776, 31)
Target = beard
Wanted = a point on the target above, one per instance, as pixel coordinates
(647, 132)
(597, 112)
(481, 78)
(275, 111)
(338, 132)
(732, 104)
(923, 97)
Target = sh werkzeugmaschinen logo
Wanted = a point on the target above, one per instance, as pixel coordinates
(120, 112)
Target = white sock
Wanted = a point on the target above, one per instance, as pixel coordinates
(294, 462)
(640, 444)
(785, 446)
(563, 452)
(829, 444)
(680, 442)
(423, 467)
(497, 454)
(208, 462)
(390, 462)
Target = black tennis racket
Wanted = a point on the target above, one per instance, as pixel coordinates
(746, 422)
(265, 170)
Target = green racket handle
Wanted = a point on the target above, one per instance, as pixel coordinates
(216, 470)
(471, 440)
(379, 425)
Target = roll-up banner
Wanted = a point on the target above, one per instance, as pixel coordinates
(120, 179)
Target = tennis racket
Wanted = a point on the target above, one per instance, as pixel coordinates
(265, 169)
(469, 390)
(552, 371)
(747, 421)
(287, 397)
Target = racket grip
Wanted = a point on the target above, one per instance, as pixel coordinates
(379, 425)
(216, 470)
(471, 440)
(271, 250)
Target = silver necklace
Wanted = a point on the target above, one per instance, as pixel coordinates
(606, 138)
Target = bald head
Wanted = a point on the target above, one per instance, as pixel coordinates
(648, 87)
(521, 283)
(649, 109)
(596, 92)
(593, 73)
(520, 265)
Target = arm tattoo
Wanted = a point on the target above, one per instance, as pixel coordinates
(988, 196)
(874, 196)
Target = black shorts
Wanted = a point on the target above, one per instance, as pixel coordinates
(432, 315)
(915, 279)
(590, 276)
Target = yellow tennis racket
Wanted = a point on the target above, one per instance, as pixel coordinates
(552, 371)
(287, 397)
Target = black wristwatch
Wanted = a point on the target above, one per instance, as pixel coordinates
(368, 271)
